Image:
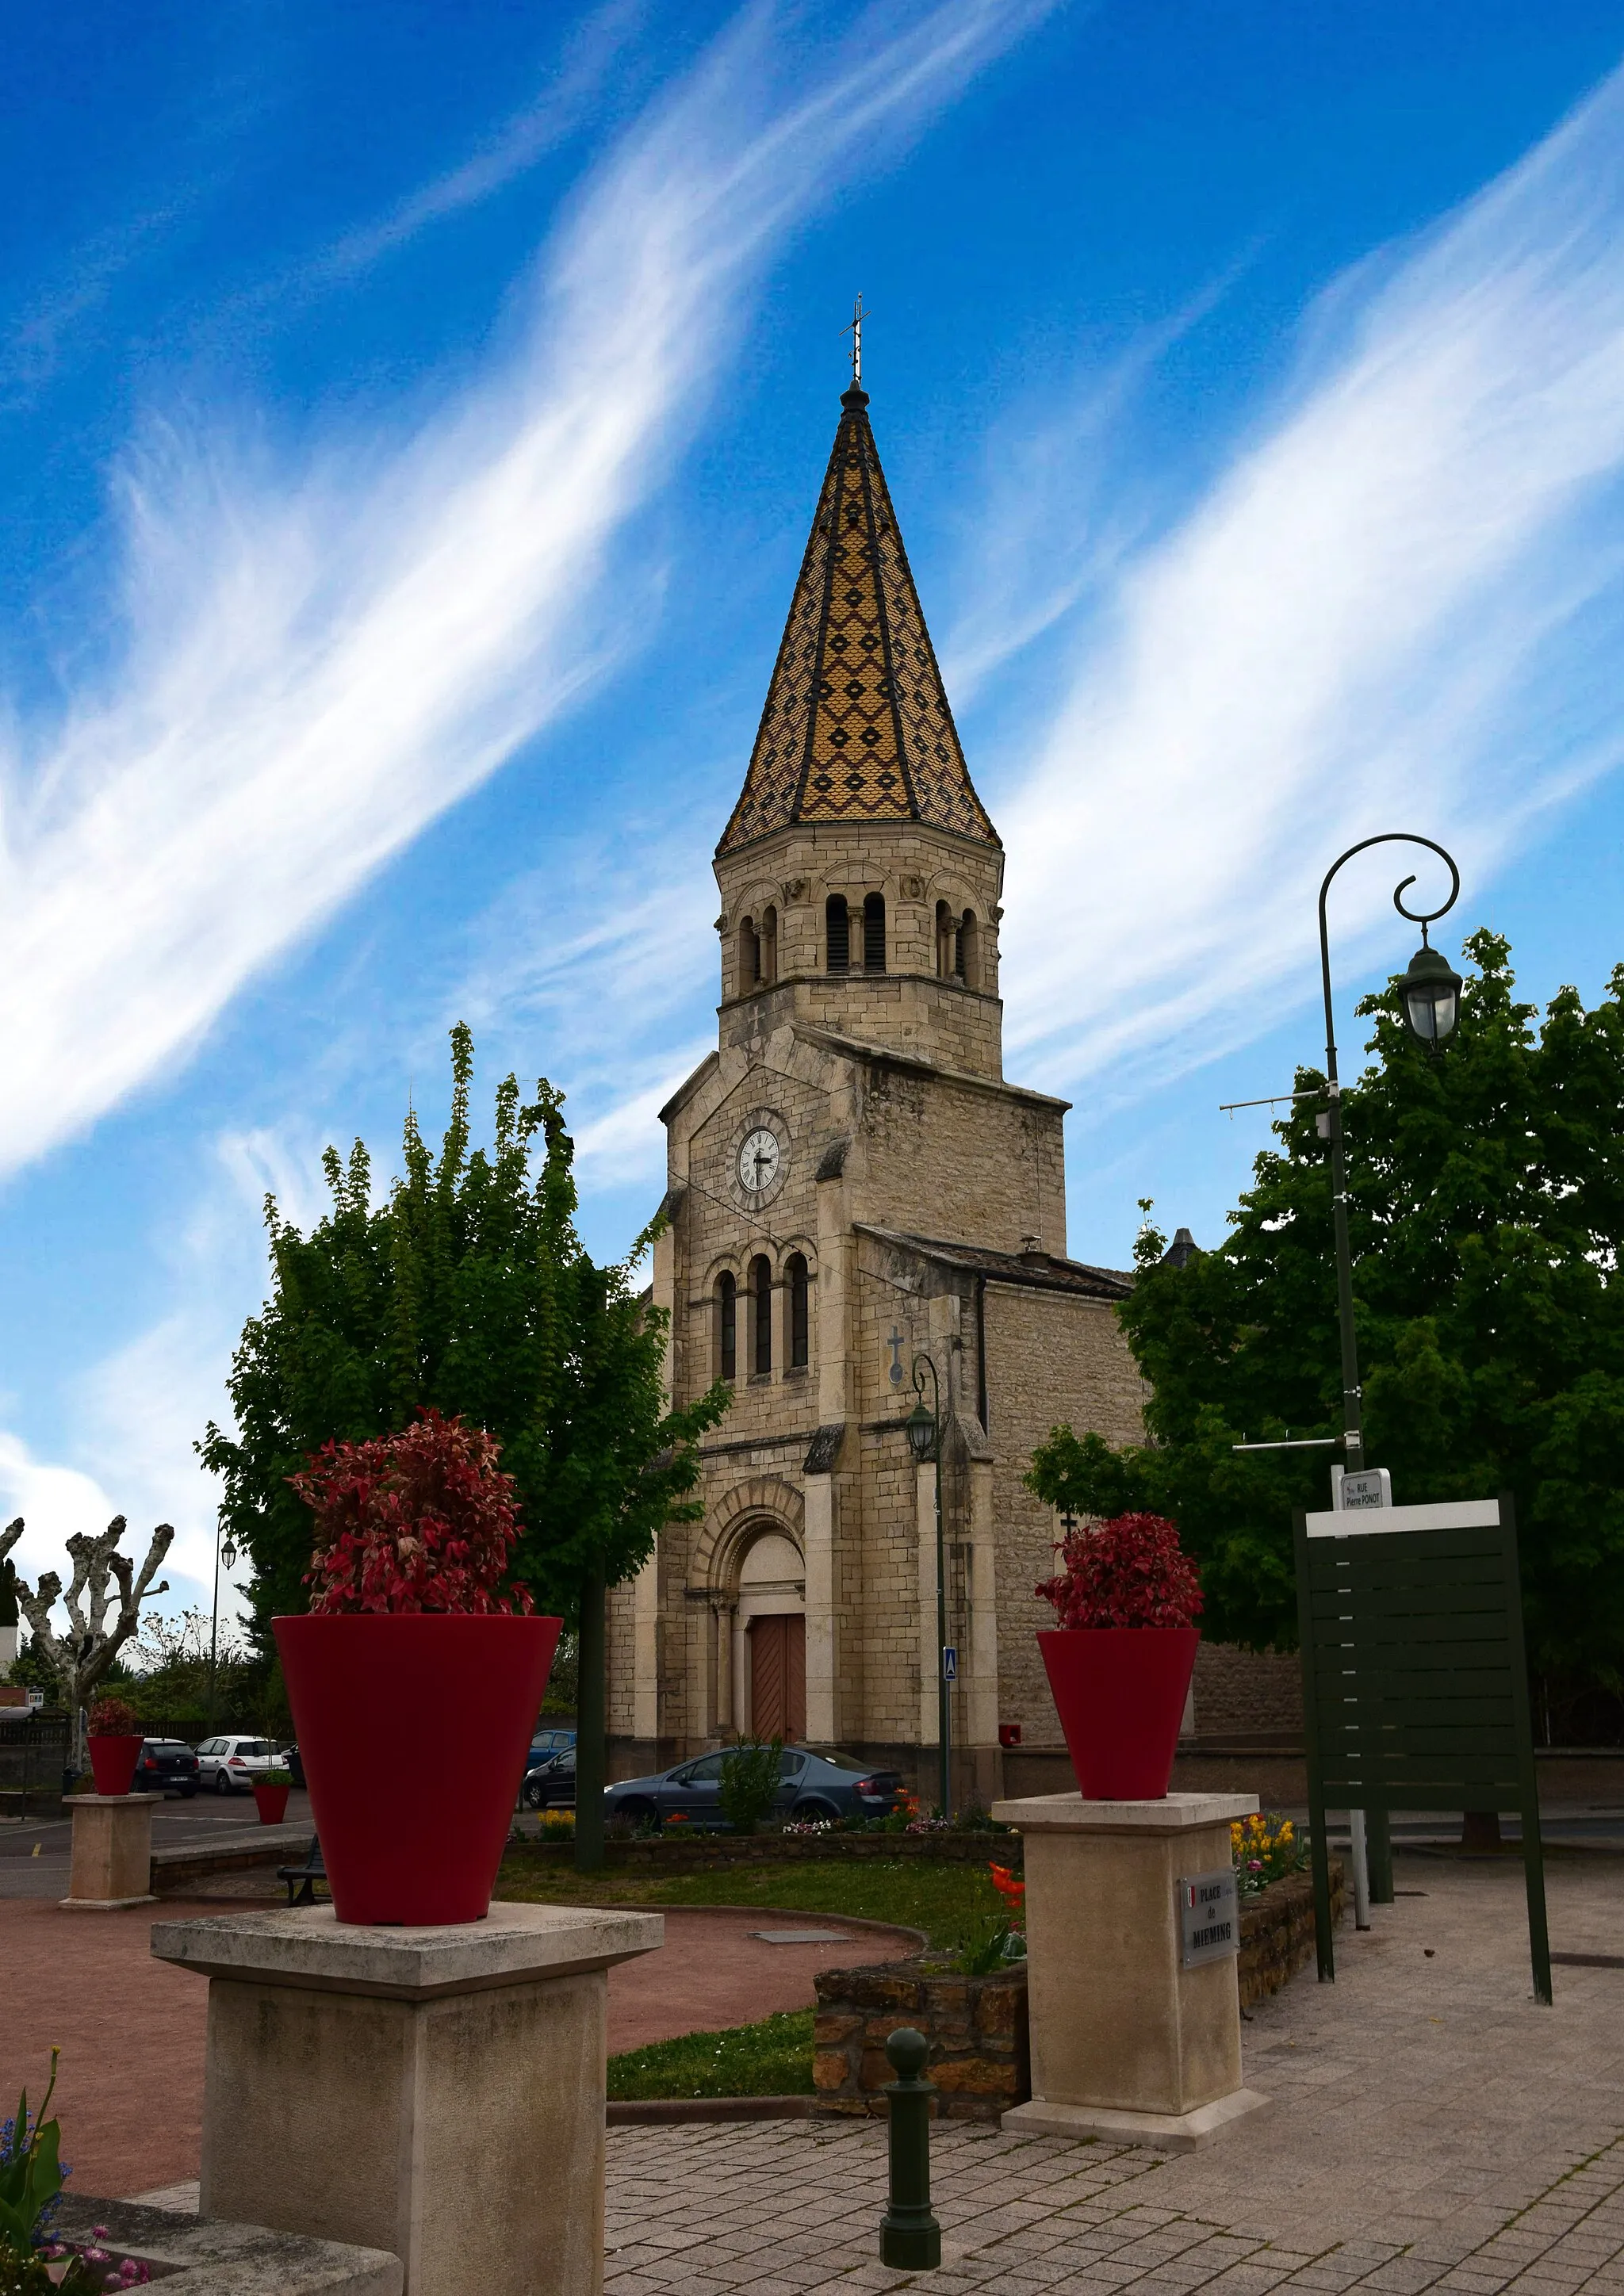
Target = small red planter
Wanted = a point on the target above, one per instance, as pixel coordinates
(414, 1730)
(271, 1803)
(112, 1762)
(1119, 1693)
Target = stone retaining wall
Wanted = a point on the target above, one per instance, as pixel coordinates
(976, 2026)
(1277, 1932)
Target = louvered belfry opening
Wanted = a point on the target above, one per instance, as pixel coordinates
(837, 933)
(728, 1327)
(856, 726)
(874, 932)
(797, 1276)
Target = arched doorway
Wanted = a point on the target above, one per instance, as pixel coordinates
(772, 1637)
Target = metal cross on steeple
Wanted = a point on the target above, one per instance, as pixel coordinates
(854, 328)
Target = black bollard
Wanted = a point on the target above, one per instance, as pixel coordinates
(910, 2238)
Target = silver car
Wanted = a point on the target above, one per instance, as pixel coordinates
(231, 1764)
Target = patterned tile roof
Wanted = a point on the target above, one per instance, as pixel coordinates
(856, 726)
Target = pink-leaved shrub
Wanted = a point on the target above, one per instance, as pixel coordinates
(421, 1520)
(1130, 1572)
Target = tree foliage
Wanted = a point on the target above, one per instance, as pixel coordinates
(465, 1289)
(1486, 1204)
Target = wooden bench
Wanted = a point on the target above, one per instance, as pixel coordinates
(305, 1877)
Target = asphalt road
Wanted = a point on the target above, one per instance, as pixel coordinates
(35, 1851)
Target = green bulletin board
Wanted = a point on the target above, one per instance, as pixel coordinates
(1415, 1684)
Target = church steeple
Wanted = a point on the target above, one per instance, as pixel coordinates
(856, 726)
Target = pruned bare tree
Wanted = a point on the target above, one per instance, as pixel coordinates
(81, 1657)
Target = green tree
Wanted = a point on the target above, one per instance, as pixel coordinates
(1486, 1204)
(466, 1287)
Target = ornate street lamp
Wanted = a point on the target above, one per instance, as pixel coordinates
(228, 1555)
(1430, 993)
(925, 1433)
(1432, 1005)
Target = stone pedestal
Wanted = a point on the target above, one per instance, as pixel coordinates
(438, 2093)
(112, 1851)
(1127, 2042)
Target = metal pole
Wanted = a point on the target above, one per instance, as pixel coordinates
(910, 2238)
(944, 1688)
(590, 1759)
(214, 1631)
(1353, 1425)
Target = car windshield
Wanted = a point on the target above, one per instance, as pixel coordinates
(254, 1748)
(843, 1762)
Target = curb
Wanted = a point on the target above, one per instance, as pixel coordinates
(667, 2111)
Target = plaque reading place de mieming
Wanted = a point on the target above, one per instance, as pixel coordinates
(1209, 1917)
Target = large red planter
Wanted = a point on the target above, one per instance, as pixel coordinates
(413, 1731)
(112, 1761)
(271, 1802)
(1119, 1693)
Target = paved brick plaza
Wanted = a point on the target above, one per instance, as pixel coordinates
(1432, 2128)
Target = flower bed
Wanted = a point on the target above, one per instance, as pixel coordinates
(692, 1853)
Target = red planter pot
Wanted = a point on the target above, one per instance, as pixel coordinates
(112, 1762)
(1119, 1693)
(271, 1803)
(413, 1731)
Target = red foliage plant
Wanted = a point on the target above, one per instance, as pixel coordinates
(421, 1520)
(1129, 1572)
(114, 1718)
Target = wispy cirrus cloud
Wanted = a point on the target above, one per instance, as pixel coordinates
(1386, 613)
(313, 661)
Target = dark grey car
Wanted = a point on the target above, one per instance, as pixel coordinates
(811, 1786)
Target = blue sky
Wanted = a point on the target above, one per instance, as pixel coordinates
(410, 418)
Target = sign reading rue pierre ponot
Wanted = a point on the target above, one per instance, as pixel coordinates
(1209, 1917)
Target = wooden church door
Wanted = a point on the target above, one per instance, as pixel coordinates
(778, 1677)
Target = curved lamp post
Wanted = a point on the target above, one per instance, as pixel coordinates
(924, 1434)
(229, 1556)
(1431, 993)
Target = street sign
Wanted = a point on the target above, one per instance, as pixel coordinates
(949, 1663)
(1209, 1917)
(1371, 1486)
(1414, 1678)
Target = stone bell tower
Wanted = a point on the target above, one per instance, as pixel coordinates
(853, 1189)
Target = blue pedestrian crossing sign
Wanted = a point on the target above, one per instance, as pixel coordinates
(949, 1663)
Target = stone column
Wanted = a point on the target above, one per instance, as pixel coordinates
(112, 1851)
(817, 1492)
(1126, 2041)
(645, 1652)
(438, 2093)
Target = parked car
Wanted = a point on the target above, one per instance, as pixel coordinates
(549, 1783)
(551, 1741)
(229, 1765)
(811, 1786)
(166, 1766)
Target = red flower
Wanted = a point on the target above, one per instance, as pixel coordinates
(422, 1521)
(1129, 1572)
(1012, 1892)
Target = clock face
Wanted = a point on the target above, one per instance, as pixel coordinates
(760, 1160)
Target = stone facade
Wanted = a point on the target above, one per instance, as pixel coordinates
(855, 1190)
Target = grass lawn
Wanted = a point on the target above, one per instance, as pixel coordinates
(771, 2059)
(954, 1904)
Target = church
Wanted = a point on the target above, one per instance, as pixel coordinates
(859, 1205)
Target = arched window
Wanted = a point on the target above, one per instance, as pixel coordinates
(874, 933)
(760, 1314)
(945, 939)
(838, 933)
(795, 1277)
(967, 960)
(766, 947)
(728, 1327)
(749, 956)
